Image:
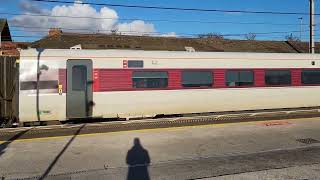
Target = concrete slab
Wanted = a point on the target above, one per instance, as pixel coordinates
(84, 154)
(307, 172)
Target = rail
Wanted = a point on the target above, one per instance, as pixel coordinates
(103, 127)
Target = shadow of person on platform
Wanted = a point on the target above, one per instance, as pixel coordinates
(138, 161)
(6, 143)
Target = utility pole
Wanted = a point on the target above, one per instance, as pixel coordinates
(5, 87)
(312, 26)
(301, 28)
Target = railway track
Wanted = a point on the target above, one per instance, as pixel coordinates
(11, 134)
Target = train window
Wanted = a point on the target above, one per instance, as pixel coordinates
(79, 78)
(135, 64)
(240, 78)
(197, 79)
(278, 77)
(150, 79)
(32, 85)
(310, 77)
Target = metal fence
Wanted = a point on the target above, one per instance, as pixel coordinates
(8, 90)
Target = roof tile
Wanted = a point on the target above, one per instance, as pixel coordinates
(104, 41)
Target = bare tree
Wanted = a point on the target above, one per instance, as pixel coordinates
(211, 35)
(114, 31)
(291, 37)
(251, 36)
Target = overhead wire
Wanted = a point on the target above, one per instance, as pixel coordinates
(159, 33)
(162, 20)
(175, 8)
(109, 30)
(151, 20)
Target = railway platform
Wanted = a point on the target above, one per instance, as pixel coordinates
(202, 151)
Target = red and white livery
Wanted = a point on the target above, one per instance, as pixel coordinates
(135, 83)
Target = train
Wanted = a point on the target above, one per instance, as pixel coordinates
(65, 84)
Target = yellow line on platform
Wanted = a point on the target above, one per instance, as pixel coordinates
(155, 129)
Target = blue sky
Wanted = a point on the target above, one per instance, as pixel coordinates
(14, 6)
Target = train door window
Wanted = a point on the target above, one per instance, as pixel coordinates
(197, 79)
(278, 77)
(150, 79)
(79, 80)
(240, 78)
(310, 76)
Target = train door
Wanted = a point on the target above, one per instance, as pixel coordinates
(79, 88)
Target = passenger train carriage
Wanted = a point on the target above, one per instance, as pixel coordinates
(134, 83)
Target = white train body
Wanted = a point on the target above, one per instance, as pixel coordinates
(119, 88)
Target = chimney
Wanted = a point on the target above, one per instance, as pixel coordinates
(55, 32)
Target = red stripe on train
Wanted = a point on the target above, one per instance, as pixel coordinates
(121, 79)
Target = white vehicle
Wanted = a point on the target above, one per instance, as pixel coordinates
(134, 83)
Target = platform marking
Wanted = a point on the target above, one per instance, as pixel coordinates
(155, 129)
(275, 123)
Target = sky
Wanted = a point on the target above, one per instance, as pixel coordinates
(146, 21)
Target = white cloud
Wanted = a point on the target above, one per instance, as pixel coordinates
(102, 20)
(170, 34)
(96, 22)
(31, 8)
(136, 27)
(108, 24)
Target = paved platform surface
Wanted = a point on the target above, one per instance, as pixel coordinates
(307, 172)
(221, 151)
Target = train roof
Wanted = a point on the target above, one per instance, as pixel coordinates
(141, 54)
